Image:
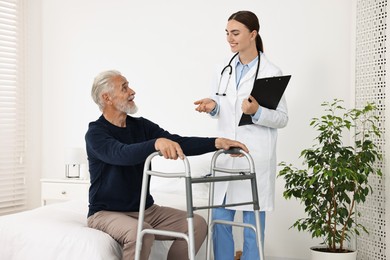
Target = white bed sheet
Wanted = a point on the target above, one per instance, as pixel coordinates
(57, 231)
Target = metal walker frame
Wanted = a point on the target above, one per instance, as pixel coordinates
(234, 175)
(145, 181)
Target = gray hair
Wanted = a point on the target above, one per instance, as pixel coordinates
(103, 84)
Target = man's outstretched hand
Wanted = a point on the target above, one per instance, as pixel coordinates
(226, 144)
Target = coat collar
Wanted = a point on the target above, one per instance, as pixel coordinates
(252, 70)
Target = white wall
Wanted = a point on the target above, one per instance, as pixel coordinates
(168, 51)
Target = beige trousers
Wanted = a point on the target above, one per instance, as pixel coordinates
(122, 226)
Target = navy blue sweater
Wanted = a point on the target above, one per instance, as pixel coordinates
(116, 159)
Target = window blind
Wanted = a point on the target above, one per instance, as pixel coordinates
(12, 120)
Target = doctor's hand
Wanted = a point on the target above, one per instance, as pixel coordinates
(249, 106)
(205, 105)
(169, 149)
(226, 144)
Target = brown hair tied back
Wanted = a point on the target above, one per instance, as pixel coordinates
(251, 21)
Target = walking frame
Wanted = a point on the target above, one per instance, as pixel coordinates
(231, 175)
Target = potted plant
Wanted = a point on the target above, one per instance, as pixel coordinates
(335, 176)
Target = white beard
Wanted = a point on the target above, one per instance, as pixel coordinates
(132, 110)
(124, 107)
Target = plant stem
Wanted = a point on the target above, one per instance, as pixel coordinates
(334, 216)
(346, 222)
(329, 223)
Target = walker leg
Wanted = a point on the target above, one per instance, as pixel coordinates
(191, 239)
(141, 216)
(258, 235)
(190, 219)
(210, 219)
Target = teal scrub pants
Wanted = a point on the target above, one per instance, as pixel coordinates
(223, 243)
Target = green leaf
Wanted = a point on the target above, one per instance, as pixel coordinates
(335, 174)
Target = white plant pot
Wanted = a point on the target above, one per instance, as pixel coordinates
(318, 255)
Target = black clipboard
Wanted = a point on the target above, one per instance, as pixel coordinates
(267, 92)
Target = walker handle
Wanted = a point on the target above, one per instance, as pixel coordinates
(234, 150)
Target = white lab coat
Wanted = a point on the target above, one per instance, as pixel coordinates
(260, 138)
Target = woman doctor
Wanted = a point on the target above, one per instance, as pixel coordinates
(230, 98)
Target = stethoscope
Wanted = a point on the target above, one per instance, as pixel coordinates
(230, 68)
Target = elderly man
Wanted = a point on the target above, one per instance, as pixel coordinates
(117, 147)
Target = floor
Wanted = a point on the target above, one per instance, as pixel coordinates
(239, 253)
(282, 258)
